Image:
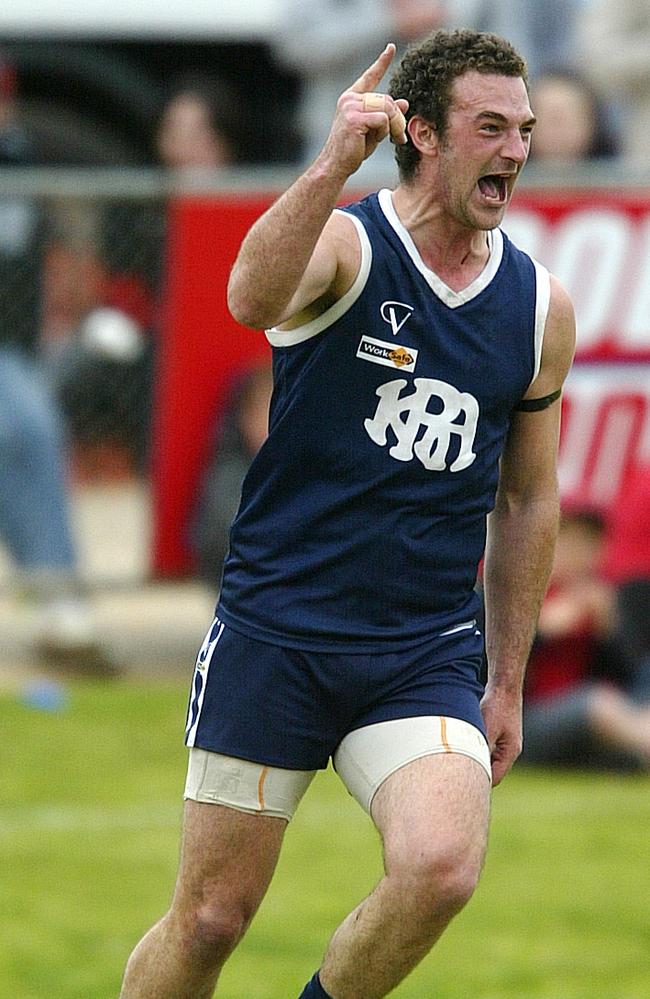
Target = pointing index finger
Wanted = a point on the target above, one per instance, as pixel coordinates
(372, 76)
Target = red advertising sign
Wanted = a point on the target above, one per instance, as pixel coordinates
(598, 245)
(596, 242)
(201, 353)
(605, 430)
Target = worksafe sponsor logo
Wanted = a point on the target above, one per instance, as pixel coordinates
(389, 354)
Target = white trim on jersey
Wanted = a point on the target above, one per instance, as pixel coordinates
(288, 338)
(542, 303)
(452, 299)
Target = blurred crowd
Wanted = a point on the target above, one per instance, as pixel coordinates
(587, 62)
(80, 285)
(589, 78)
(80, 295)
(587, 697)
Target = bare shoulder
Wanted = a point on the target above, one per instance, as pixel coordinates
(560, 332)
(330, 273)
(339, 245)
(561, 312)
(347, 248)
(559, 342)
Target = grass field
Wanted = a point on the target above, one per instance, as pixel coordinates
(89, 820)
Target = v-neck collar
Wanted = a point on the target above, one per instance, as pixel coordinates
(453, 299)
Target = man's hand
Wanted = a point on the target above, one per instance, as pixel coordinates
(364, 118)
(502, 715)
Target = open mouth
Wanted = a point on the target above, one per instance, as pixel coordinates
(494, 188)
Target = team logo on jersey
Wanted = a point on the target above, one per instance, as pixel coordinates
(456, 416)
(380, 352)
(395, 314)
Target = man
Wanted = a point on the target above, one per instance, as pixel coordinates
(418, 363)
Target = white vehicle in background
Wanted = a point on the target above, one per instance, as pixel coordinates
(216, 19)
(91, 76)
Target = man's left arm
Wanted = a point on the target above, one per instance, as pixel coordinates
(522, 530)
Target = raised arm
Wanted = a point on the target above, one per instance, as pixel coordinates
(298, 252)
(522, 530)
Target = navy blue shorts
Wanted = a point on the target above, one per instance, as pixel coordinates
(290, 708)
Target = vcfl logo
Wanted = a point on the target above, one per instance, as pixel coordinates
(395, 314)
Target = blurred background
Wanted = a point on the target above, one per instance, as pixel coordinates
(138, 142)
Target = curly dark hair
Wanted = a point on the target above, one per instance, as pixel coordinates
(428, 69)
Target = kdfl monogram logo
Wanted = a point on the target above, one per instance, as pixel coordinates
(407, 414)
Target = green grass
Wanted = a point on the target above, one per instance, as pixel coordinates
(89, 821)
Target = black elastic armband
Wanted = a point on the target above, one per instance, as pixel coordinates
(532, 405)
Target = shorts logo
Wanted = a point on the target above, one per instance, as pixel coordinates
(380, 352)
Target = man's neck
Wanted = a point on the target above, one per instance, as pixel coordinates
(455, 252)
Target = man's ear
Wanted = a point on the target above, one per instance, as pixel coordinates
(423, 136)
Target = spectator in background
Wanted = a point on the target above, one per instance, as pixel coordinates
(572, 124)
(330, 42)
(241, 433)
(106, 370)
(627, 566)
(585, 704)
(202, 128)
(201, 125)
(613, 46)
(542, 30)
(35, 523)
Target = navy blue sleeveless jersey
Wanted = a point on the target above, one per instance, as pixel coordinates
(363, 517)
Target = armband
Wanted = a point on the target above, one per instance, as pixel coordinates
(532, 405)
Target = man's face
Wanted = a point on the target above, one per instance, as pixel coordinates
(484, 147)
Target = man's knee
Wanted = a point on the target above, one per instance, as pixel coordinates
(212, 929)
(438, 880)
(227, 861)
(219, 930)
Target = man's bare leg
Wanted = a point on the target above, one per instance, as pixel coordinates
(227, 861)
(433, 818)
